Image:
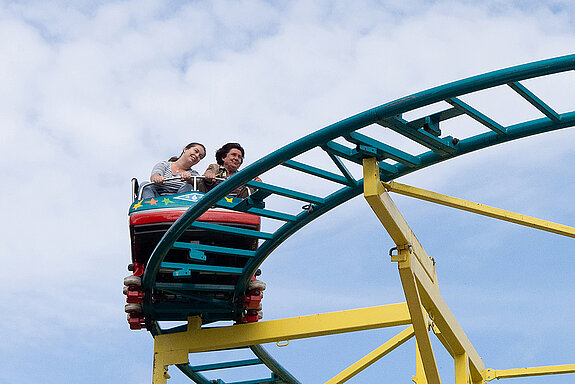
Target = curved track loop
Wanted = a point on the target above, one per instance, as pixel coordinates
(344, 144)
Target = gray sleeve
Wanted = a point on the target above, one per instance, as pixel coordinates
(160, 168)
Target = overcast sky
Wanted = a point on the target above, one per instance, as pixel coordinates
(94, 93)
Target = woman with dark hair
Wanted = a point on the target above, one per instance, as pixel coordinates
(229, 158)
(190, 156)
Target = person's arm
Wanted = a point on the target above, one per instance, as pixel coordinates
(252, 190)
(188, 176)
(158, 172)
(210, 173)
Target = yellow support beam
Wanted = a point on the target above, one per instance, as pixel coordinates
(450, 333)
(419, 281)
(173, 348)
(419, 317)
(372, 357)
(480, 209)
(462, 375)
(197, 339)
(408, 248)
(491, 374)
(419, 377)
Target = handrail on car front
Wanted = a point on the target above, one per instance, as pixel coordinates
(137, 195)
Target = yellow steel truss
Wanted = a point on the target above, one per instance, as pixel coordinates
(424, 308)
(420, 283)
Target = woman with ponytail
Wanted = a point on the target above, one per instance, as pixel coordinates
(182, 166)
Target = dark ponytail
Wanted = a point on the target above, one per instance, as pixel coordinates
(174, 158)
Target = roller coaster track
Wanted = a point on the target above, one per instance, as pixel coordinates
(346, 144)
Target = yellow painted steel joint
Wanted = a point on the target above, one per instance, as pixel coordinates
(165, 355)
(489, 374)
(392, 220)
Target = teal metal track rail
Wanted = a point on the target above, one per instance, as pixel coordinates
(277, 374)
(343, 143)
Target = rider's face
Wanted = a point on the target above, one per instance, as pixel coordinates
(233, 160)
(194, 154)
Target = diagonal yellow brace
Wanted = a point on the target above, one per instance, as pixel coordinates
(410, 251)
(491, 374)
(450, 333)
(480, 209)
(419, 319)
(372, 357)
(419, 281)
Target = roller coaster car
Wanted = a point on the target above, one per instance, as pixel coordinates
(199, 273)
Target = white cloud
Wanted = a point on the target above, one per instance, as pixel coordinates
(95, 93)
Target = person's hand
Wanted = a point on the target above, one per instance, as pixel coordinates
(157, 179)
(209, 176)
(186, 176)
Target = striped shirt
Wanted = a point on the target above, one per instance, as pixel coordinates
(163, 168)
